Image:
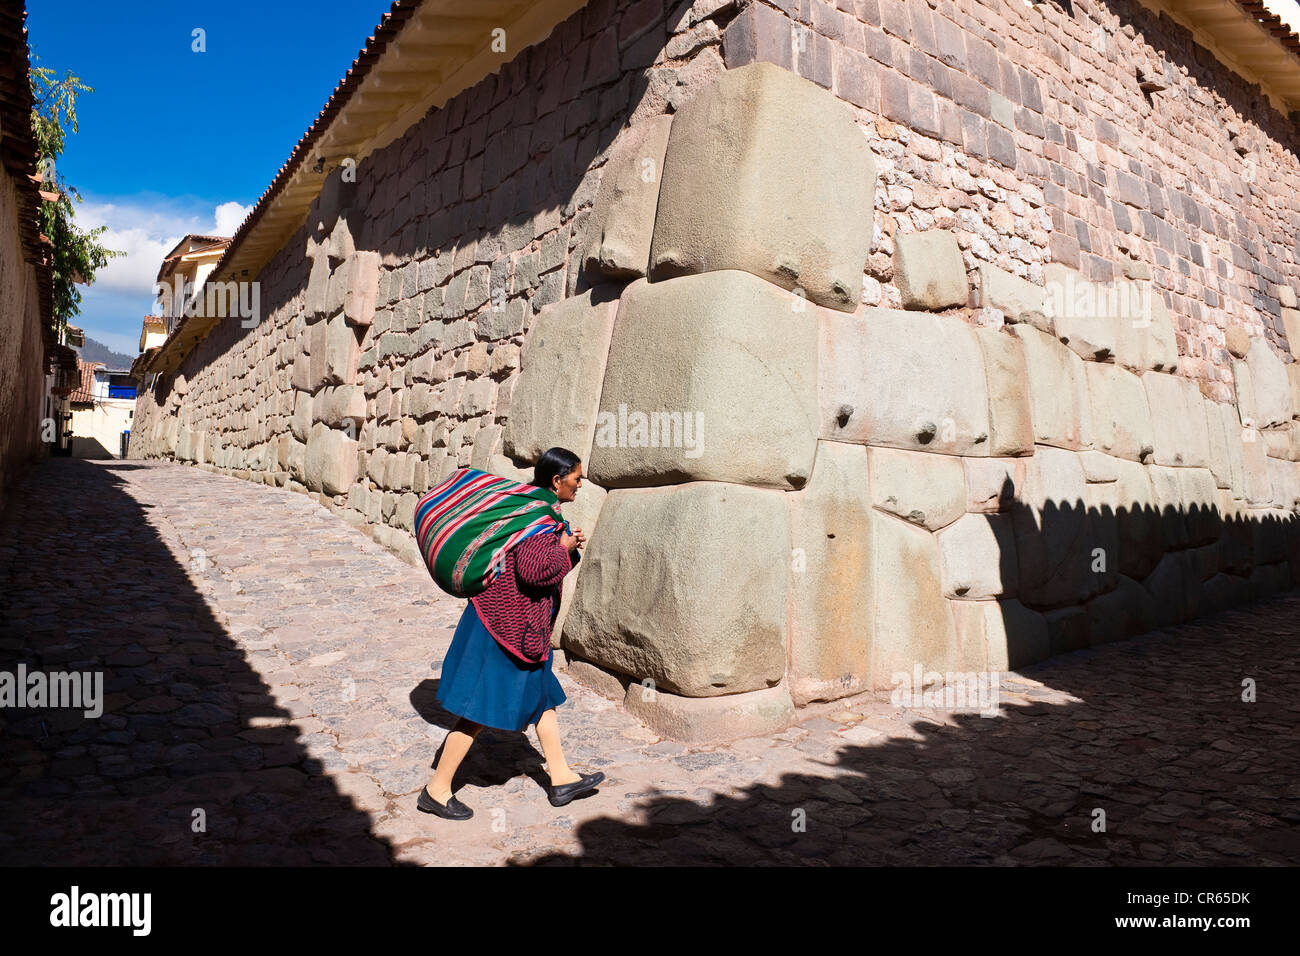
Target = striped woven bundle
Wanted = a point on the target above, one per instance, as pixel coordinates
(466, 523)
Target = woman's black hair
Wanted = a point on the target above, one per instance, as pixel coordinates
(554, 462)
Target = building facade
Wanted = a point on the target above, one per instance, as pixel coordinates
(945, 335)
(103, 408)
(33, 359)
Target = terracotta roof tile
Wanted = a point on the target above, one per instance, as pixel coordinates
(1272, 23)
(387, 30)
(85, 392)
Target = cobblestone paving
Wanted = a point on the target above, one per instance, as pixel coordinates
(269, 698)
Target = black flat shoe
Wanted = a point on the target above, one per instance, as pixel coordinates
(565, 792)
(453, 810)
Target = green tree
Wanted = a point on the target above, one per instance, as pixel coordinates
(77, 253)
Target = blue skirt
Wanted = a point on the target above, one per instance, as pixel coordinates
(483, 682)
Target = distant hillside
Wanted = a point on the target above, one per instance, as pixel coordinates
(98, 352)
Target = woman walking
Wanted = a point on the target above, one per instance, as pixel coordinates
(488, 676)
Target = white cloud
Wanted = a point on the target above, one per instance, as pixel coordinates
(229, 217)
(1287, 10)
(146, 228)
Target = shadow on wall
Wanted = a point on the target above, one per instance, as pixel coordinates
(489, 164)
(88, 586)
(1152, 733)
(84, 447)
(1156, 732)
(1098, 574)
(1244, 97)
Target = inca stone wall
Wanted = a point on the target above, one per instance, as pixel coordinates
(911, 338)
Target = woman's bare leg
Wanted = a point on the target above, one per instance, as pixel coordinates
(548, 732)
(453, 752)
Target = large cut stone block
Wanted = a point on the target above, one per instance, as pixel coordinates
(665, 594)
(1293, 377)
(622, 221)
(768, 173)
(929, 271)
(1119, 614)
(972, 620)
(830, 536)
(1238, 538)
(359, 276)
(1160, 348)
(1272, 385)
(925, 489)
(1082, 311)
(342, 351)
(1011, 427)
(1237, 339)
(978, 554)
(1014, 635)
(1244, 383)
(1254, 463)
(1225, 445)
(1283, 441)
(1269, 528)
(903, 379)
(1175, 587)
(913, 621)
(730, 363)
(1140, 343)
(1285, 484)
(991, 483)
(310, 369)
(1105, 547)
(1058, 391)
(1178, 420)
(316, 296)
(1054, 533)
(1067, 629)
(561, 370)
(1168, 490)
(1019, 300)
(331, 460)
(1121, 417)
(342, 406)
(1291, 323)
(297, 460)
(1129, 505)
(1200, 503)
(711, 719)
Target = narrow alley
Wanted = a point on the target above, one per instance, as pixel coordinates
(269, 680)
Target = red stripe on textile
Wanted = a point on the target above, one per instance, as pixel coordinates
(459, 498)
(488, 499)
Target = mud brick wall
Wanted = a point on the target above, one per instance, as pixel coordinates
(22, 366)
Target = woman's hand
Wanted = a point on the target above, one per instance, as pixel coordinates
(573, 541)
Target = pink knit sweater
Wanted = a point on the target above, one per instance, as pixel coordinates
(517, 608)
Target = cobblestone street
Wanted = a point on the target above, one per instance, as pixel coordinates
(269, 672)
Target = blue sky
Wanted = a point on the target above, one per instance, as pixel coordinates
(175, 141)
